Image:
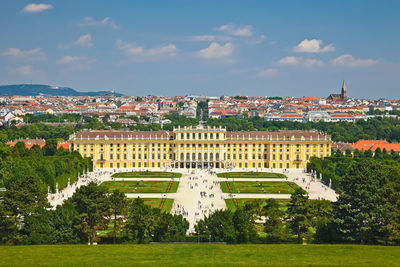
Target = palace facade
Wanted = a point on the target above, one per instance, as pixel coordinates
(200, 147)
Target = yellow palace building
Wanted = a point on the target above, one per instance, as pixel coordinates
(200, 147)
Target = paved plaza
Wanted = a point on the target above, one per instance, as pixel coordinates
(199, 193)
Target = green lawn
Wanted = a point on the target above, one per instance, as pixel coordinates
(199, 255)
(251, 175)
(242, 201)
(259, 187)
(147, 174)
(142, 186)
(156, 202)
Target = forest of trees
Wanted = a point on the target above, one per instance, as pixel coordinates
(26, 219)
(376, 128)
(336, 167)
(367, 212)
(47, 165)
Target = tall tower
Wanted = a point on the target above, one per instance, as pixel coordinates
(344, 91)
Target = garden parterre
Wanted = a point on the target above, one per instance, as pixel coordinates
(250, 175)
(130, 187)
(258, 187)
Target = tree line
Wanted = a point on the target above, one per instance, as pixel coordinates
(25, 217)
(375, 128)
(48, 165)
(367, 212)
(368, 208)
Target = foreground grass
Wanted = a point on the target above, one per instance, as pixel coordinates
(261, 187)
(199, 255)
(142, 186)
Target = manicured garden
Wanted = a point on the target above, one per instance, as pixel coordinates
(259, 187)
(250, 175)
(233, 203)
(147, 174)
(142, 186)
(164, 203)
(199, 255)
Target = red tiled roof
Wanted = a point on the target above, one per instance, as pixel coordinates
(366, 144)
(388, 147)
(63, 144)
(29, 143)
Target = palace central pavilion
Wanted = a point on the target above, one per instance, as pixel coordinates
(200, 147)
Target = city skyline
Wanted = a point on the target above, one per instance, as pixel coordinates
(180, 48)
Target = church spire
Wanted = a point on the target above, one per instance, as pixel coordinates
(344, 90)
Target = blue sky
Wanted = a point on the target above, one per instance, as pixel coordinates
(268, 48)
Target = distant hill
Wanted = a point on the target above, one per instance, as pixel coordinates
(40, 89)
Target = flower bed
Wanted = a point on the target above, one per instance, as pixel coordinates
(142, 186)
(147, 174)
(251, 175)
(259, 187)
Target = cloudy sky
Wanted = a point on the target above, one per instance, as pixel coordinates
(286, 48)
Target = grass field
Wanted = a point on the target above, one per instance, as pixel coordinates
(199, 255)
(251, 175)
(242, 201)
(259, 187)
(142, 186)
(156, 202)
(147, 174)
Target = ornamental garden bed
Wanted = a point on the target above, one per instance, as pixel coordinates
(147, 174)
(164, 204)
(234, 203)
(250, 175)
(142, 186)
(258, 187)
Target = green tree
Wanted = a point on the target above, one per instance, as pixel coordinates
(118, 206)
(362, 214)
(140, 222)
(244, 226)
(274, 227)
(297, 213)
(25, 196)
(92, 205)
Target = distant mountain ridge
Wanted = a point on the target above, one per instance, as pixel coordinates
(41, 89)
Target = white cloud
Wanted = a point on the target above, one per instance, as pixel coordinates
(24, 70)
(313, 46)
(311, 62)
(140, 53)
(36, 8)
(246, 30)
(215, 51)
(294, 61)
(69, 59)
(259, 40)
(351, 61)
(84, 41)
(267, 73)
(289, 61)
(34, 54)
(207, 38)
(76, 62)
(89, 21)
